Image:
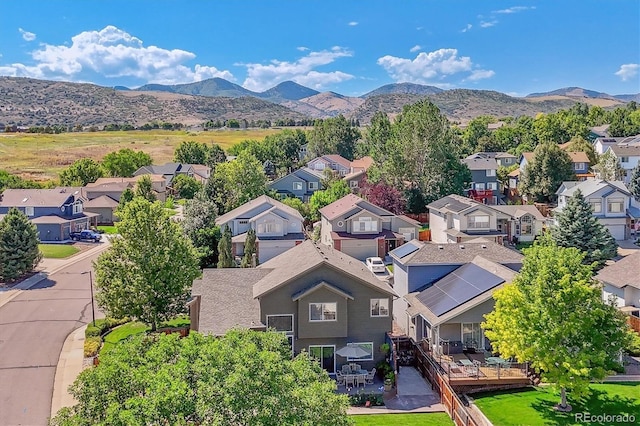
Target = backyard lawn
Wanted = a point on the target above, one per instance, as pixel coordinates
(535, 406)
(415, 419)
(57, 251)
(108, 229)
(122, 332)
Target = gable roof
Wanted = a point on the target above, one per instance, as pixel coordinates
(622, 273)
(309, 256)
(346, 204)
(625, 150)
(322, 284)
(248, 206)
(305, 173)
(481, 163)
(100, 202)
(578, 157)
(589, 186)
(227, 299)
(517, 211)
(338, 159)
(362, 163)
(34, 197)
(133, 180)
(454, 203)
(163, 169)
(460, 290)
(429, 253)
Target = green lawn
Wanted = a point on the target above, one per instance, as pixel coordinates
(535, 406)
(120, 333)
(57, 251)
(108, 229)
(415, 419)
(523, 245)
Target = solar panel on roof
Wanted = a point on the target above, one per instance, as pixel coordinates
(458, 287)
(405, 250)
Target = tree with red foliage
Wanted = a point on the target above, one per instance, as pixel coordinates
(385, 196)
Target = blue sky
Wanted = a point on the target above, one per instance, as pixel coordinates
(349, 47)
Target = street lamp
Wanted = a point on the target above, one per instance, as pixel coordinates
(93, 309)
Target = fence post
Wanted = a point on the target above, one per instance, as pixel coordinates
(498, 371)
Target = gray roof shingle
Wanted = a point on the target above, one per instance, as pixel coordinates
(622, 273)
(247, 207)
(455, 254)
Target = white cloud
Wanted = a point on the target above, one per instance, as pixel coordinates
(302, 48)
(487, 24)
(514, 9)
(112, 52)
(261, 77)
(352, 23)
(480, 75)
(627, 71)
(467, 28)
(415, 48)
(429, 67)
(28, 36)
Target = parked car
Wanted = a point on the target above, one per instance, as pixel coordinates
(375, 264)
(86, 235)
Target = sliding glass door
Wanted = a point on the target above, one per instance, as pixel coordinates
(326, 356)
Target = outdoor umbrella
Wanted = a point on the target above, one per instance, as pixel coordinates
(352, 352)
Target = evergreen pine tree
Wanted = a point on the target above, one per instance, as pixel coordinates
(577, 227)
(250, 250)
(19, 252)
(634, 183)
(225, 256)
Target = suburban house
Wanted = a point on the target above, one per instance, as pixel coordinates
(199, 172)
(503, 159)
(621, 281)
(322, 301)
(484, 179)
(358, 173)
(628, 155)
(335, 162)
(600, 145)
(598, 132)
(361, 229)
(611, 202)
(56, 212)
(453, 308)
(301, 183)
(456, 219)
(278, 227)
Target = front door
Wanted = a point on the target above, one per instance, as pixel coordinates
(326, 356)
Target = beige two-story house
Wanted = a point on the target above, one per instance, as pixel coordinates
(361, 229)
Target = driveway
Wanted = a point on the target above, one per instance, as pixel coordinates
(33, 326)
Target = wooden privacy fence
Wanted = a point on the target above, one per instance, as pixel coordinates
(434, 373)
(634, 323)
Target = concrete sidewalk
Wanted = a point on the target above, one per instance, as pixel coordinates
(70, 364)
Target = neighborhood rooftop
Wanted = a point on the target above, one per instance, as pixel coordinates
(249, 206)
(453, 254)
(624, 272)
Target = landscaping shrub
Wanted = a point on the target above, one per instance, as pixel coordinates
(93, 334)
(383, 368)
(360, 399)
(91, 346)
(92, 331)
(634, 346)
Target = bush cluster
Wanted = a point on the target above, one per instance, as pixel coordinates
(360, 399)
(93, 334)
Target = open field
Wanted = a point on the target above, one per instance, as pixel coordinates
(42, 156)
(535, 406)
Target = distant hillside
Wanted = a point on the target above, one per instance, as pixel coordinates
(628, 98)
(333, 104)
(211, 87)
(31, 102)
(287, 90)
(403, 88)
(572, 92)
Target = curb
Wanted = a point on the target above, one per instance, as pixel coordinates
(70, 365)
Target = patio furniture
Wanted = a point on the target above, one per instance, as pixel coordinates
(495, 360)
(357, 367)
(340, 378)
(361, 379)
(466, 363)
(346, 369)
(371, 376)
(350, 380)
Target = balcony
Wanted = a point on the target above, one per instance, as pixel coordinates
(481, 195)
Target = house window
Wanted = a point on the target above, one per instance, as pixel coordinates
(297, 186)
(353, 184)
(478, 186)
(367, 346)
(243, 221)
(325, 355)
(365, 224)
(596, 205)
(526, 225)
(624, 159)
(491, 172)
(479, 221)
(615, 205)
(507, 160)
(578, 166)
(379, 307)
(282, 322)
(29, 211)
(312, 186)
(409, 233)
(77, 207)
(492, 186)
(319, 166)
(323, 311)
(472, 335)
(269, 228)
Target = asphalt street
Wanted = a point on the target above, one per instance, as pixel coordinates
(33, 327)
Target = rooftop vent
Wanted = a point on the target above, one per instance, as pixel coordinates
(461, 246)
(441, 247)
(24, 200)
(484, 246)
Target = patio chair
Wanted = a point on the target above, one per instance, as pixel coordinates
(371, 376)
(346, 369)
(357, 367)
(361, 379)
(350, 380)
(340, 378)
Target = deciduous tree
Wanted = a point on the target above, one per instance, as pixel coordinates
(544, 174)
(245, 378)
(238, 181)
(19, 252)
(148, 271)
(125, 162)
(199, 225)
(323, 198)
(185, 186)
(578, 227)
(144, 189)
(385, 196)
(215, 156)
(191, 152)
(333, 136)
(81, 172)
(580, 144)
(553, 316)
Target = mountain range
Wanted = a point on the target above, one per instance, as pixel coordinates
(30, 102)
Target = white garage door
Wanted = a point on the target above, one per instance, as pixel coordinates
(360, 249)
(270, 249)
(617, 231)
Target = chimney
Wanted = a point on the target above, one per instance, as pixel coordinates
(253, 260)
